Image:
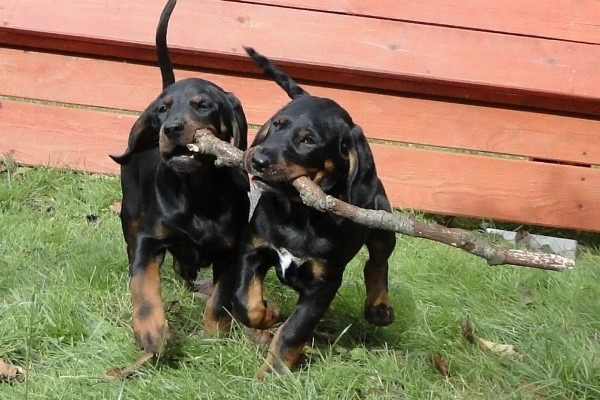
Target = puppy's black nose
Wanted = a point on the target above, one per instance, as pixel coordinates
(173, 128)
(260, 162)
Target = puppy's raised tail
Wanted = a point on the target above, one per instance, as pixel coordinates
(162, 51)
(289, 85)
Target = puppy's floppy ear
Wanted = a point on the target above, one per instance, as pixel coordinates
(239, 125)
(348, 153)
(262, 134)
(144, 135)
(362, 181)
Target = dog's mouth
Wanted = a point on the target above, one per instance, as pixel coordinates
(269, 186)
(278, 177)
(181, 159)
(270, 170)
(180, 154)
(282, 173)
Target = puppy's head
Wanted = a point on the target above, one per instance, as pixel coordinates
(312, 137)
(170, 122)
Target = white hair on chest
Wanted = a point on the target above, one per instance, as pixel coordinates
(287, 259)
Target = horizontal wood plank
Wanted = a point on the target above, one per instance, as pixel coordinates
(573, 20)
(383, 54)
(499, 189)
(458, 53)
(111, 84)
(433, 181)
(35, 134)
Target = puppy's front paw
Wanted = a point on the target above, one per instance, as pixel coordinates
(281, 357)
(379, 314)
(267, 368)
(216, 322)
(263, 316)
(260, 337)
(151, 330)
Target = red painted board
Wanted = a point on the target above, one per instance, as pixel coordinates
(125, 86)
(384, 54)
(499, 189)
(61, 137)
(433, 181)
(572, 20)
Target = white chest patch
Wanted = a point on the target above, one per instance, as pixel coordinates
(287, 259)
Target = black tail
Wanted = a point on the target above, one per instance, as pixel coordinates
(290, 86)
(162, 51)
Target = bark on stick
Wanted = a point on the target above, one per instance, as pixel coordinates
(313, 196)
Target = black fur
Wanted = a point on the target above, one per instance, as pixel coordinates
(315, 137)
(177, 201)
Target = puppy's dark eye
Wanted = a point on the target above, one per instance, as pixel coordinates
(279, 123)
(163, 109)
(200, 105)
(308, 139)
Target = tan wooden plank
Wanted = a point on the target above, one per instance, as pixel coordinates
(126, 86)
(384, 54)
(573, 20)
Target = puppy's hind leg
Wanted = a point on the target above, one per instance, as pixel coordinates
(217, 313)
(187, 273)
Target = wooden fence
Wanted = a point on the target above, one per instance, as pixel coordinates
(481, 109)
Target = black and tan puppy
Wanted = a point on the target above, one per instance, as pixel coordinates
(179, 202)
(313, 137)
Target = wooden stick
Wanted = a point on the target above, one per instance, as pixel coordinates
(313, 196)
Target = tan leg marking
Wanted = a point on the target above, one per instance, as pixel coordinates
(149, 320)
(260, 316)
(213, 323)
(378, 308)
(278, 358)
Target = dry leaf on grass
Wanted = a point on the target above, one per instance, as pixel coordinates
(466, 328)
(260, 337)
(203, 288)
(115, 207)
(441, 364)
(10, 373)
(127, 372)
(498, 348)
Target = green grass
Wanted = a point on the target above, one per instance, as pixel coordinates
(65, 308)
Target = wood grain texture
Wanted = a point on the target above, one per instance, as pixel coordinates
(477, 79)
(501, 189)
(384, 54)
(35, 134)
(426, 180)
(573, 20)
(125, 86)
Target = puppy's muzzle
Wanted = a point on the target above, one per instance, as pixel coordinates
(254, 162)
(173, 129)
(271, 166)
(260, 162)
